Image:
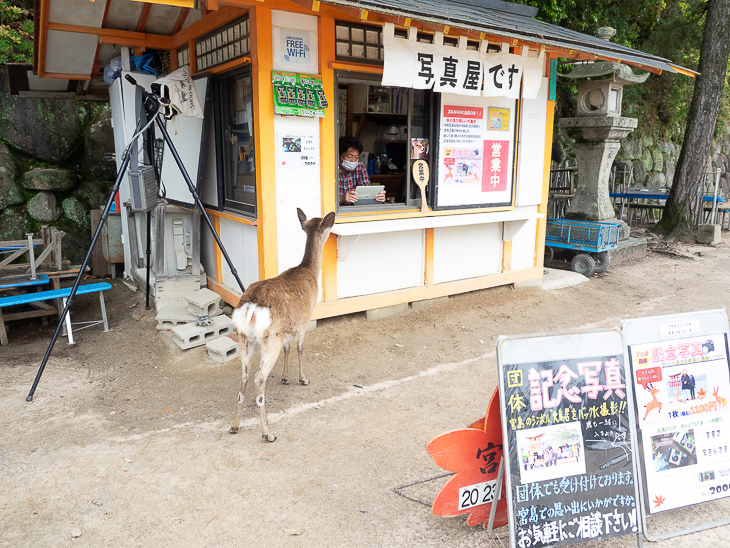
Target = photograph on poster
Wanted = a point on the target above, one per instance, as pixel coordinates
(675, 379)
(551, 452)
(673, 450)
(292, 144)
(498, 119)
(419, 149)
(298, 151)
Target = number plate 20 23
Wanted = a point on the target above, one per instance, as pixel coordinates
(477, 494)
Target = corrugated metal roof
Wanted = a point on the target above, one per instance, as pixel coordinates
(509, 25)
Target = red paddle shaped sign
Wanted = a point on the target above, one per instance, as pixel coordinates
(473, 454)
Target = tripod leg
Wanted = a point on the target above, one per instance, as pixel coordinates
(196, 197)
(75, 287)
(149, 255)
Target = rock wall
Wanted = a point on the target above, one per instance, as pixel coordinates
(52, 166)
(653, 159)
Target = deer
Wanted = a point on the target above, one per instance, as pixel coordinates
(654, 403)
(273, 313)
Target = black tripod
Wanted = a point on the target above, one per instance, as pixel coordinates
(151, 106)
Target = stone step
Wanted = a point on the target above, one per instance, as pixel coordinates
(222, 349)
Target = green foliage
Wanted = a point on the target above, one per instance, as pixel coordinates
(16, 34)
(671, 29)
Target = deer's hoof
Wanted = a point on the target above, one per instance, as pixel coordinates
(233, 430)
(284, 381)
(268, 437)
(304, 382)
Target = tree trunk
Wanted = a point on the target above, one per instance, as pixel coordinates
(683, 210)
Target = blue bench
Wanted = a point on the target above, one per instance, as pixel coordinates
(63, 294)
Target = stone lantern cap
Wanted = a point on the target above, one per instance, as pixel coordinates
(622, 74)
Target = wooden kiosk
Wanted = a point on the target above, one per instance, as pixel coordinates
(467, 86)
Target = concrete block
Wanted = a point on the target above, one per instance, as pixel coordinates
(204, 301)
(311, 326)
(223, 325)
(553, 278)
(709, 234)
(222, 349)
(386, 312)
(189, 335)
(171, 316)
(428, 303)
(628, 250)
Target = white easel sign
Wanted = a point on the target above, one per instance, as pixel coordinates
(681, 379)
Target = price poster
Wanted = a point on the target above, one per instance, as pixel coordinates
(461, 143)
(567, 435)
(475, 153)
(298, 151)
(682, 384)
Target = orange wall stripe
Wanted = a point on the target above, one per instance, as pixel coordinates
(379, 300)
(543, 207)
(264, 139)
(507, 256)
(328, 154)
(429, 256)
(230, 217)
(218, 254)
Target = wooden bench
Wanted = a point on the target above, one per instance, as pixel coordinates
(29, 298)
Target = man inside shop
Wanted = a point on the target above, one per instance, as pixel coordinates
(352, 172)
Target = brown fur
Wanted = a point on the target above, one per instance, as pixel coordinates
(291, 297)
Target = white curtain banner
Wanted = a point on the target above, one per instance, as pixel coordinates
(398, 54)
(448, 69)
(502, 75)
(534, 70)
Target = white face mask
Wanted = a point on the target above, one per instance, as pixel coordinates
(349, 166)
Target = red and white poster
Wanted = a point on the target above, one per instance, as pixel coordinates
(461, 138)
(474, 161)
(496, 165)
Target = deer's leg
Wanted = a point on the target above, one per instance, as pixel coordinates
(246, 348)
(269, 353)
(300, 350)
(285, 376)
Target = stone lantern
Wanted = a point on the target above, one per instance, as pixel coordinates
(598, 129)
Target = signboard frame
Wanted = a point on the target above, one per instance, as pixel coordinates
(639, 333)
(584, 351)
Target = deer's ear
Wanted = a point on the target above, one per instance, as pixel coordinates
(301, 215)
(328, 221)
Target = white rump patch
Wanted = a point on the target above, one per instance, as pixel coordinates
(251, 320)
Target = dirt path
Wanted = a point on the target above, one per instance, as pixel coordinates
(126, 442)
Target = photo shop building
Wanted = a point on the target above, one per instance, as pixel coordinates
(452, 100)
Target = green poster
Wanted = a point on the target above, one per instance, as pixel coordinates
(298, 94)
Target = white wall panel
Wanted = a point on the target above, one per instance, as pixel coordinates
(295, 188)
(374, 263)
(241, 243)
(523, 246)
(461, 252)
(532, 148)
